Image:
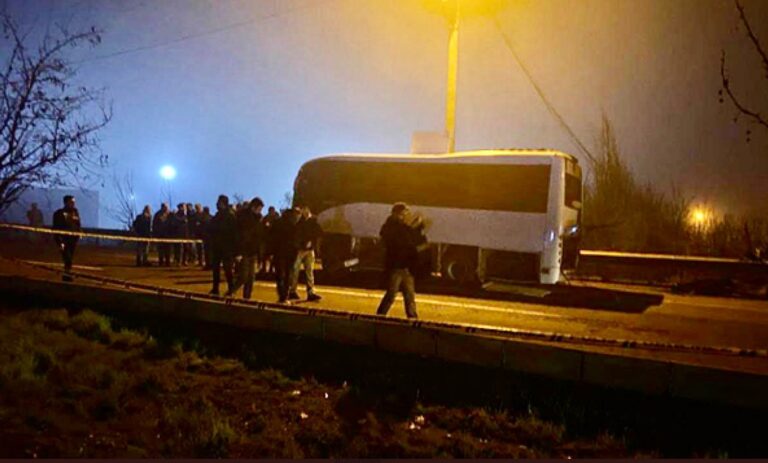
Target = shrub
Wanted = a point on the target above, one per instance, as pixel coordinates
(90, 325)
(197, 430)
(106, 408)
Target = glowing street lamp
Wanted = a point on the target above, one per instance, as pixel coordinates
(700, 217)
(168, 172)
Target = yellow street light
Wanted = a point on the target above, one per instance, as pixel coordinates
(700, 217)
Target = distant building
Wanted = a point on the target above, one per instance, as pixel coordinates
(429, 143)
(48, 200)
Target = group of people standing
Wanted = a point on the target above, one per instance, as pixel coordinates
(242, 240)
(187, 222)
(238, 240)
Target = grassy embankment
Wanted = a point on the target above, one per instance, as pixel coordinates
(81, 385)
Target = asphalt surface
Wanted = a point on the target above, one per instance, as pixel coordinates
(581, 309)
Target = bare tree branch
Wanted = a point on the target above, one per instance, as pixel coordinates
(752, 36)
(124, 209)
(754, 115)
(48, 125)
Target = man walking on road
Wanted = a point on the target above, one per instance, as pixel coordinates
(308, 234)
(223, 240)
(68, 219)
(283, 240)
(401, 259)
(250, 234)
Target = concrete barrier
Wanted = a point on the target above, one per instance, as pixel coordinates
(640, 375)
(405, 339)
(459, 347)
(709, 385)
(544, 360)
(353, 332)
(296, 323)
(560, 362)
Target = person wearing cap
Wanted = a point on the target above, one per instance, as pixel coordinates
(67, 218)
(223, 236)
(251, 235)
(401, 260)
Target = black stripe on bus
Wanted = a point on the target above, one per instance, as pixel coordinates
(324, 184)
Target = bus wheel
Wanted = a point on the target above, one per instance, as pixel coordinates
(460, 267)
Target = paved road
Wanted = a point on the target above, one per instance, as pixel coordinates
(610, 311)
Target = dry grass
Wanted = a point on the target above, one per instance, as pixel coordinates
(72, 386)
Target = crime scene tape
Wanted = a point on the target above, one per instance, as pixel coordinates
(51, 231)
(536, 335)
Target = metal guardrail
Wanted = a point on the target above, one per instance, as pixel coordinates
(660, 268)
(624, 256)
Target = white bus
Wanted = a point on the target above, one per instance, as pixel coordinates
(491, 214)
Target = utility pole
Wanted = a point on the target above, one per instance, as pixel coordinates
(453, 70)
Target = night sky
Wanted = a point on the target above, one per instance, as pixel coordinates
(237, 94)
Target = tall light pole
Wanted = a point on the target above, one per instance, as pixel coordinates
(453, 71)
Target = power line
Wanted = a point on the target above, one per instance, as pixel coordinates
(205, 33)
(574, 138)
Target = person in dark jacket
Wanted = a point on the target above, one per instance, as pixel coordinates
(34, 216)
(401, 259)
(251, 236)
(142, 227)
(161, 229)
(223, 239)
(179, 229)
(205, 235)
(196, 230)
(308, 234)
(189, 248)
(35, 219)
(267, 265)
(68, 219)
(283, 241)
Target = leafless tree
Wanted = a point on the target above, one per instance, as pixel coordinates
(166, 192)
(287, 200)
(48, 124)
(753, 115)
(123, 210)
(623, 214)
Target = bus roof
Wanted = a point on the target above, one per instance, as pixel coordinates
(500, 156)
